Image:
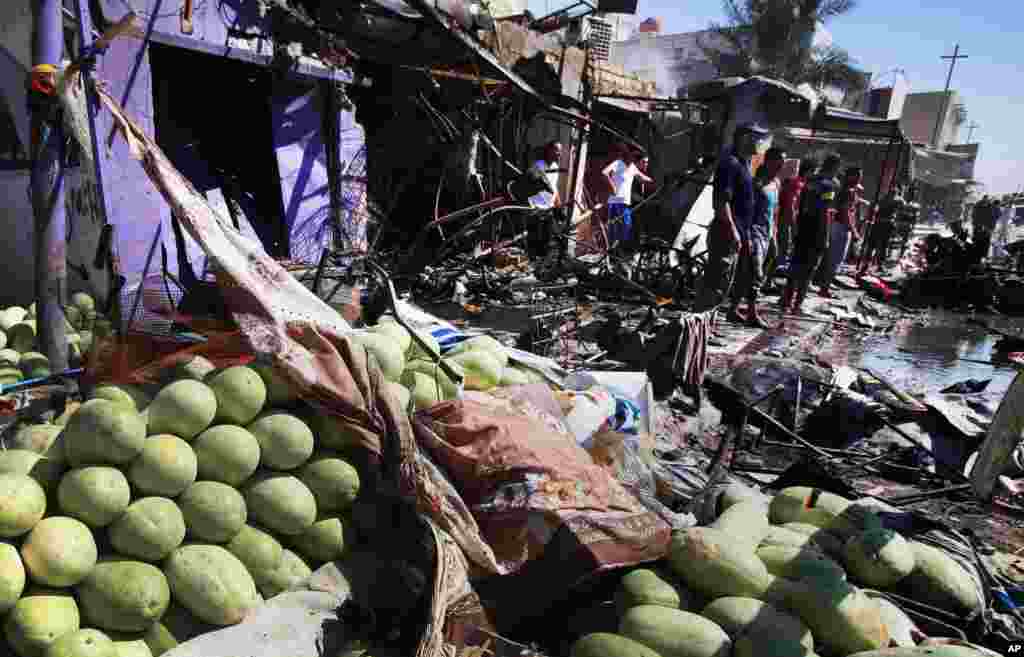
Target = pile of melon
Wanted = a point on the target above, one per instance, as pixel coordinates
(19, 355)
(143, 514)
(797, 577)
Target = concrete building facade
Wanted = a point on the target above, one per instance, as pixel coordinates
(672, 61)
(920, 112)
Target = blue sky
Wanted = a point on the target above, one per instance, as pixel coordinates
(913, 35)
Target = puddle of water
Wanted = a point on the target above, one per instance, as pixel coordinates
(926, 354)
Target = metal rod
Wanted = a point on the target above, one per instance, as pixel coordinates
(50, 225)
(926, 495)
(799, 394)
(917, 443)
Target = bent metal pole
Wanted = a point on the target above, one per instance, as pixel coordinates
(48, 155)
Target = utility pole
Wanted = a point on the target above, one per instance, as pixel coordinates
(48, 155)
(970, 130)
(945, 95)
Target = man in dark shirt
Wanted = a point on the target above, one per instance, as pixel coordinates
(880, 232)
(817, 207)
(984, 224)
(734, 209)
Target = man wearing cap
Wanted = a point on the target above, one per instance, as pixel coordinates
(813, 231)
(728, 234)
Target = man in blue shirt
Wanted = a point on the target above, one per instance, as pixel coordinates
(750, 274)
(734, 211)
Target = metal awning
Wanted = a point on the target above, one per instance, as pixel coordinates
(838, 120)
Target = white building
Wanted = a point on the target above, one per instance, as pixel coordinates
(673, 61)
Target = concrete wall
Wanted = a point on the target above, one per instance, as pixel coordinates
(919, 115)
(670, 60)
(16, 246)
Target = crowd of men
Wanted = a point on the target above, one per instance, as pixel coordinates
(804, 225)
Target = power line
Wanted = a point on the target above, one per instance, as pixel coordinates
(945, 95)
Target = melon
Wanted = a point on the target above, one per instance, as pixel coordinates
(166, 466)
(22, 336)
(437, 378)
(841, 617)
(131, 396)
(395, 331)
(240, 394)
(416, 352)
(928, 648)
(9, 357)
(899, 626)
(716, 564)
(96, 495)
(739, 616)
(227, 453)
(822, 509)
(322, 541)
(149, 529)
(123, 595)
(258, 550)
(746, 521)
(763, 646)
(281, 503)
(333, 482)
(22, 504)
(39, 619)
(937, 579)
(128, 646)
(829, 543)
(193, 367)
(34, 365)
(40, 438)
(799, 563)
(424, 390)
(10, 376)
(12, 316)
(47, 472)
(280, 391)
(59, 551)
(290, 573)
(184, 409)
(83, 302)
(82, 643)
(214, 512)
(12, 577)
(211, 583)
(384, 350)
(879, 558)
(481, 370)
(285, 440)
(675, 633)
(102, 433)
(645, 587)
(482, 343)
(74, 317)
(606, 644)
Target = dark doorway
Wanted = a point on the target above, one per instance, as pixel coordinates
(213, 119)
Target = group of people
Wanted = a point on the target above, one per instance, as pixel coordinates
(761, 223)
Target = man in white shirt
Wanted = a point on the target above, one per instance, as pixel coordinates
(540, 227)
(620, 175)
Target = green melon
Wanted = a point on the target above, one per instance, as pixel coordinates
(123, 595)
(258, 550)
(323, 541)
(47, 472)
(384, 349)
(159, 639)
(83, 302)
(879, 558)
(482, 343)
(415, 352)
(764, 646)
(39, 619)
(333, 482)
(22, 504)
(193, 367)
(214, 512)
(424, 389)
(285, 440)
(481, 370)
(281, 503)
(939, 580)
(11, 316)
(96, 495)
(606, 644)
(184, 409)
(12, 577)
(167, 466)
(129, 646)
(131, 396)
(390, 328)
(10, 376)
(645, 587)
(675, 633)
(449, 389)
(240, 393)
(9, 357)
(227, 453)
(740, 616)
(716, 564)
(34, 365)
(82, 643)
(799, 563)
(149, 529)
(211, 583)
(59, 551)
(280, 391)
(102, 433)
(40, 438)
(74, 317)
(291, 573)
(22, 336)
(826, 510)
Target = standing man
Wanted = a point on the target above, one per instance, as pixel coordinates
(985, 223)
(620, 174)
(812, 233)
(844, 229)
(750, 274)
(792, 190)
(734, 209)
(545, 167)
(876, 251)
